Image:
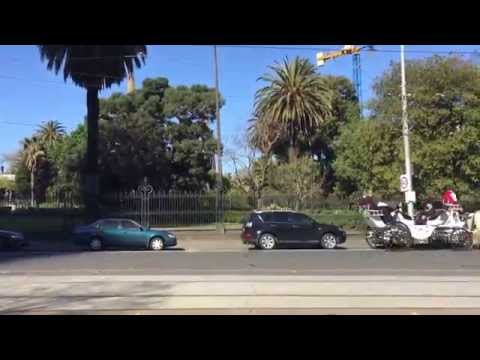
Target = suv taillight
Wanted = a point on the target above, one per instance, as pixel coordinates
(249, 225)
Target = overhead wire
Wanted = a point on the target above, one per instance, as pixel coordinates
(9, 77)
(289, 48)
(476, 52)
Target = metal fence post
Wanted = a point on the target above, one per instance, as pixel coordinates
(145, 191)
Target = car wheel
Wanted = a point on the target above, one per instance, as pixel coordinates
(329, 241)
(95, 244)
(156, 244)
(267, 242)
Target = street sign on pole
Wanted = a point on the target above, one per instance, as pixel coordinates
(404, 185)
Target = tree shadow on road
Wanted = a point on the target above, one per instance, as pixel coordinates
(67, 297)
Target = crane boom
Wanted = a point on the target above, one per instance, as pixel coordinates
(357, 73)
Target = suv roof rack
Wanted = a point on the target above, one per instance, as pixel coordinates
(279, 210)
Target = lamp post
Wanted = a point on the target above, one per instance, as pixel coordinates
(406, 180)
(219, 190)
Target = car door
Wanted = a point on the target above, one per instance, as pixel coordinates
(132, 234)
(281, 227)
(303, 230)
(109, 232)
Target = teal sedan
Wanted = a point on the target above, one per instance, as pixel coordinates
(122, 233)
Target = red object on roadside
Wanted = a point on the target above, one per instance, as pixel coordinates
(449, 198)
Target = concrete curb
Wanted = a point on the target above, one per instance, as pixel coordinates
(203, 240)
(213, 231)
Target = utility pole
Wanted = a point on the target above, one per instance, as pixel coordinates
(220, 224)
(409, 193)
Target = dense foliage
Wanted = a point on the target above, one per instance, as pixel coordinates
(444, 119)
(159, 132)
(163, 133)
(358, 155)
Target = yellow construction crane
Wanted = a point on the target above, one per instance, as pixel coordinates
(357, 71)
(346, 50)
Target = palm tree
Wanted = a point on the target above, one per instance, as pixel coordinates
(32, 155)
(296, 99)
(50, 132)
(93, 67)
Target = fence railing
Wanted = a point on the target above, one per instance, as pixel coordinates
(176, 209)
(50, 201)
(163, 208)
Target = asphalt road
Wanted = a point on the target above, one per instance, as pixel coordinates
(350, 280)
(248, 262)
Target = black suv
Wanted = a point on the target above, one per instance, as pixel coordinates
(270, 229)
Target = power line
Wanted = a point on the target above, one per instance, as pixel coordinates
(452, 52)
(19, 124)
(8, 77)
(296, 48)
(6, 122)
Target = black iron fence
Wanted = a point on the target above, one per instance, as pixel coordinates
(156, 208)
(60, 200)
(176, 209)
(159, 208)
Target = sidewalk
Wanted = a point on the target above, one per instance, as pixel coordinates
(91, 293)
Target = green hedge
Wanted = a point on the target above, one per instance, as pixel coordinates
(39, 223)
(47, 222)
(349, 219)
(235, 216)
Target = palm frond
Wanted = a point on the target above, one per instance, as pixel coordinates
(32, 153)
(50, 132)
(93, 66)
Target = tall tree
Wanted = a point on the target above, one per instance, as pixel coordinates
(67, 155)
(190, 111)
(32, 155)
(93, 67)
(368, 157)
(296, 98)
(50, 132)
(444, 118)
(252, 163)
(444, 103)
(301, 178)
(160, 132)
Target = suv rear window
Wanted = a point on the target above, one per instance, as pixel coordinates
(265, 217)
(280, 217)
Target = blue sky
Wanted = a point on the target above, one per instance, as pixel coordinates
(30, 94)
